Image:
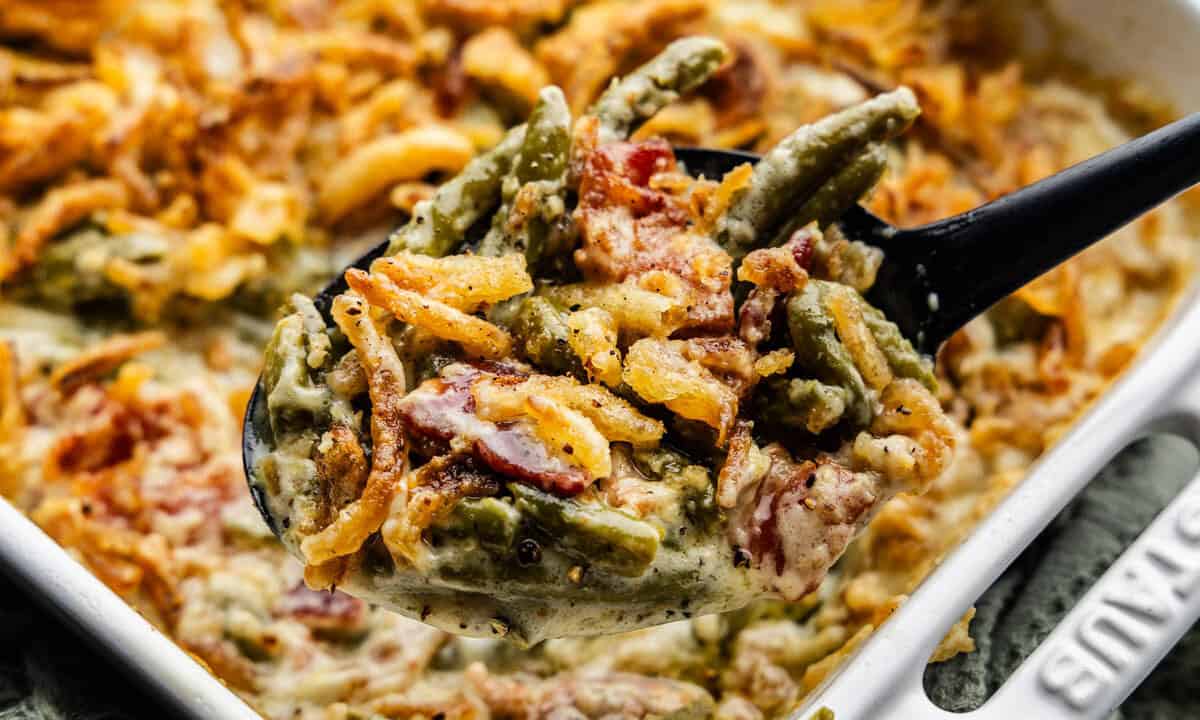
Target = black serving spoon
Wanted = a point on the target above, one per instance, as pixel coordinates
(937, 277)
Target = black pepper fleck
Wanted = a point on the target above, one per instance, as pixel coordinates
(741, 558)
(529, 552)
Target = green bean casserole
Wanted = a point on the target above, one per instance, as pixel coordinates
(616, 438)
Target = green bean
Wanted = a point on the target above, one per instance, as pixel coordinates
(492, 522)
(790, 174)
(533, 208)
(802, 403)
(596, 535)
(541, 334)
(439, 224)
(544, 153)
(659, 463)
(693, 483)
(684, 65)
(821, 352)
(1013, 320)
(293, 399)
(902, 358)
(71, 270)
(840, 192)
(839, 390)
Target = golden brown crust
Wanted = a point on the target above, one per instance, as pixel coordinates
(385, 378)
(92, 364)
(478, 337)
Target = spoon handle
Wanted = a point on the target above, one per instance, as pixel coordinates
(969, 262)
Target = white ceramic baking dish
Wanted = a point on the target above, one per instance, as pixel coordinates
(1105, 647)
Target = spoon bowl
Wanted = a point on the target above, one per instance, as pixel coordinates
(933, 280)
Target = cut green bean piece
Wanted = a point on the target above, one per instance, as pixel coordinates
(492, 522)
(803, 403)
(683, 66)
(789, 175)
(902, 358)
(1013, 320)
(840, 192)
(597, 536)
(533, 215)
(820, 351)
(544, 153)
(293, 399)
(541, 332)
(62, 277)
(693, 483)
(439, 224)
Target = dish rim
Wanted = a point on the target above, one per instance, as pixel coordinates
(63, 585)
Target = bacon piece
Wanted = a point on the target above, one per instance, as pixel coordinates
(323, 610)
(754, 317)
(443, 410)
(774, 273)
(633, 229)
(518, 454)
(800, 519)
(802, 243)
(739, 89)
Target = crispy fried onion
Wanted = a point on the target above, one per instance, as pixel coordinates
(433, 490)
(846, 309)
(587, 695)
(123, 461)
(797, 520)
(615, 418)
(778, 268)
(441, 416)
(103, 358)
(375, 166)
(342, 470)
(476, 336)
(385, 385)
(774, 362)
(745, 465)
(12, 411)
(699, 379)
(593, 339)
(61, 208)
(519, 76)
(637, 311)
(911, 441)
(774, 272)
(126, 560)
(464, 282)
